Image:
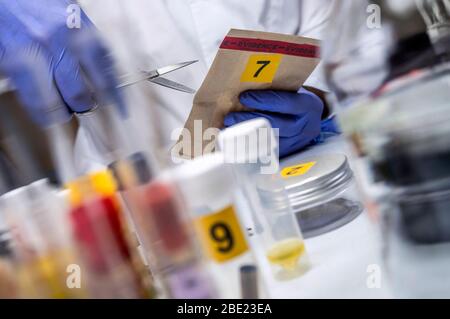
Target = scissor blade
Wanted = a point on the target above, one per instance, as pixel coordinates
(140, 78)
(144, 76)
(174, 67)
(172, 85)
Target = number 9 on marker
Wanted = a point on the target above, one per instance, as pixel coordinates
(261, 68)
(221, 235)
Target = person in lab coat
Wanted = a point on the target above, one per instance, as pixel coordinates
(144, 35)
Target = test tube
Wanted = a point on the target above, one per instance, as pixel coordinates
(207, 185)
(42, 247)
(166, 233)
(98, 228)
(252, 148)
(8, 280)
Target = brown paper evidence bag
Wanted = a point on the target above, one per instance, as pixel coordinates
(246, 60)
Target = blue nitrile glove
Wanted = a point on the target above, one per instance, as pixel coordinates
(328, 128)
(296, 115)
(50, 61)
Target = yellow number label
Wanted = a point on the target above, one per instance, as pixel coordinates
(297, 170)
(221, 235)
(261, 68)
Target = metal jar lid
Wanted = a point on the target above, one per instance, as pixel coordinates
(328, 176)
(311, 187)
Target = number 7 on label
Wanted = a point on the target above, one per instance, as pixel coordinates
(261, 68)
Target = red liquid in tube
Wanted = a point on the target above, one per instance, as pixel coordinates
(164, 210)
(98, 228)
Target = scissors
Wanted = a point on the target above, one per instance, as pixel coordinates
(155, 76)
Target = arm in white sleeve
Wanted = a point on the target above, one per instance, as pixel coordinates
(314, 19)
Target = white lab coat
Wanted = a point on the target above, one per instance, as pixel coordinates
(163, 32)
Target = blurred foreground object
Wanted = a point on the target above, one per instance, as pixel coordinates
(41, 246)
(436, 14)
(160, 217)
(208, 186)
(99, 228)
(383, 41)
(395, 111)
(8, 280)
(403, 144)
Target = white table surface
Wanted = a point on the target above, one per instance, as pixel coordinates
(339, 259)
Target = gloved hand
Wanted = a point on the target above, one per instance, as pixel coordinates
(53, 67)
(329, 128)
(296, 115)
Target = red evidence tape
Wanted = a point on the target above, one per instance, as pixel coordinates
(271, 46)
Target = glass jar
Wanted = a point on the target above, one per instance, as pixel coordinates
(322, 192)
(402, 147)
